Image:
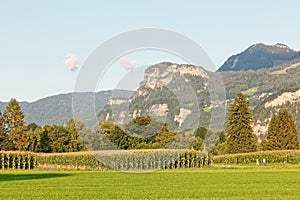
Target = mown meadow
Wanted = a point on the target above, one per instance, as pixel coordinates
(79, 176)
(220, 182)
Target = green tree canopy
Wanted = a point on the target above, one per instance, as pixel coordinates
(282, 132)
(239, 133)
(143, 126)
(15, 125)
(3, 135)
(74, 127)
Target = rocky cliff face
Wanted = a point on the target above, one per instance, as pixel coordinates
(164, 73)
(166, 93)
(272, 103)
(286, 97)
(169, 92)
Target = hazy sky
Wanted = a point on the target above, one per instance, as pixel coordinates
(44, 43)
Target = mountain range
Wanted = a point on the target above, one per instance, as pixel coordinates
(268, 75)
(57, 109)
(260, 56)
(267, 89)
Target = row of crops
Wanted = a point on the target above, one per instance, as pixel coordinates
(17, 160)
(137, 160)
(83, 160)
(152, 160)
(284, 156)
(116, 160)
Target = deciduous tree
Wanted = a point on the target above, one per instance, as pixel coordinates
(74, 127)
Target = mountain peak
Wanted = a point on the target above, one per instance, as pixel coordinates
(260, 56)
(280, 45)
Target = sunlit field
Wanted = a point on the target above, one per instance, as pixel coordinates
(220, 182)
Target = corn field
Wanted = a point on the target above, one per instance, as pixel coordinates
(151, 160)
(124, 160)
(80, 160)
(137, 160)
(285, 156)
(116, 160)
(17, 160)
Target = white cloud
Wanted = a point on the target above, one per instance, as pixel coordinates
(127, 64)
(71, 61)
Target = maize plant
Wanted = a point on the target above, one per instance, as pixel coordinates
(17, 160)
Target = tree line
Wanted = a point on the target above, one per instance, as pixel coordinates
(15, 135)
(142, 132)
(145, 132)
(240, 137)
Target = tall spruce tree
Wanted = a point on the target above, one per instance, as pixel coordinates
(239, 133)
(271, 142)
(282, 132)
(15, 125)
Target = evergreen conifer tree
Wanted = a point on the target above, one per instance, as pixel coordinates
(271, 142)
(282, 132)
(239, 133)
(15, 125)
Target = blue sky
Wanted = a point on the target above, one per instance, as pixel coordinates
(35, 36)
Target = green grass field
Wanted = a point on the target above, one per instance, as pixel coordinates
(248, 182)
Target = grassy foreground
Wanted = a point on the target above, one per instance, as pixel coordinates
(218, 183)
